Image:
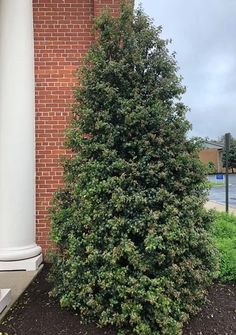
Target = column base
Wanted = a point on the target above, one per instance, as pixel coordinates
(30, 264)
(19, 253)
(5, 298)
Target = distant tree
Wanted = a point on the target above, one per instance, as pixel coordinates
(232, 155)
(216, 141)
(211, 169)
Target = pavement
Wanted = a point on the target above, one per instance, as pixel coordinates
(219, 207)
(217, 192)
(17, 282)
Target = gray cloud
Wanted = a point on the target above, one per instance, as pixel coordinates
(203, 34)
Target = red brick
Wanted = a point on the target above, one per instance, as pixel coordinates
(63, 31)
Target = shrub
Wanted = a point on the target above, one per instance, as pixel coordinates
(225, 239)
(211, 169)
(134, 241)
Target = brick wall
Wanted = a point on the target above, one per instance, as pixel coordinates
(62, 32)
(212, 155)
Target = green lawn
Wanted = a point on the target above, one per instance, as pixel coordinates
(216, 183)
(225, 240)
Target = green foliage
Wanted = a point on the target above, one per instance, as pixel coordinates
(211, 169)
(216, 183)
(134, 241)
(225, 239)
(232, 155)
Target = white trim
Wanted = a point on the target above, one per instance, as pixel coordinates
(5, 298)
(30, 264)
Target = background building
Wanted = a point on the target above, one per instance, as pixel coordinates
(212, 154)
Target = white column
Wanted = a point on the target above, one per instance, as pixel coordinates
(17, 137)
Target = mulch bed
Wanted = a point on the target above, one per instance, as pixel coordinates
(37, 314)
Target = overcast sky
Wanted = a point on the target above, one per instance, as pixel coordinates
(204, 37)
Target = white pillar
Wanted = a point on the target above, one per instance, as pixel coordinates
(17, 137)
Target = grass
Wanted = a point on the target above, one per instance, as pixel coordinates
(225, 240)
(216, 183)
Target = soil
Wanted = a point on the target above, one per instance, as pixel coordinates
(38, 314)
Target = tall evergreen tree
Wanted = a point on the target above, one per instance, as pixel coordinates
(134, 247)
(232, 155)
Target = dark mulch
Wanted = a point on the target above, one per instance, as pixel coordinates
(37, 314)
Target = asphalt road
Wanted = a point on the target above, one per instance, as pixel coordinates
(217, 193)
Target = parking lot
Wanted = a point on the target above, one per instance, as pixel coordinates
(217, 193)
